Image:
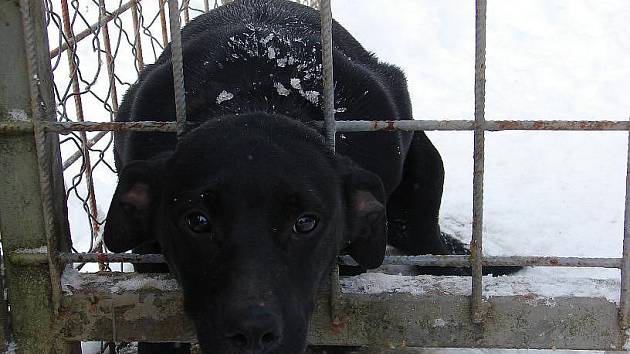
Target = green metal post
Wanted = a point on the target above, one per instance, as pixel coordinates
(32, 203)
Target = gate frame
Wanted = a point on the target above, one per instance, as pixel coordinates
(37, 245)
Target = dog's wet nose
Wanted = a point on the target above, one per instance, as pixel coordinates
(255, 330)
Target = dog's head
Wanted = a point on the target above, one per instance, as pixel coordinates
(250, 212)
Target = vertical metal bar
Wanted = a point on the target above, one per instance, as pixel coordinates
(110, 61)
(137, 42)
(32, 198)
(625, 268)
(76, 91)
(113, 93)
(476, 246)
(186, 5)
(206, 5)
(330, 127)
(178, 65)
(327, 61)
(163, 23)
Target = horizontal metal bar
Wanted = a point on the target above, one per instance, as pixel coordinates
(495, 261)
(343, 126)
(111, 257)
(424, 260)
(106, 19)
(147, 126)
(497, 125)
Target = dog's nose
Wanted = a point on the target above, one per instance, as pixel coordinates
(255, 330)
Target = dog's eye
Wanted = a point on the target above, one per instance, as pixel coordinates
(305, 224)
(197, 222)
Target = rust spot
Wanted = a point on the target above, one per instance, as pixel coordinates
(102, 257)
(554, 261)
(337, 326)
(600, 125)
(508, 125)
(538, 125)
(529, 296)
(389, 127)
(375, 125)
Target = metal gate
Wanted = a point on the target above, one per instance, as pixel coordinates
(52, 306)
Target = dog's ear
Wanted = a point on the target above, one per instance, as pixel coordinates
(366, 222)
(132, 208)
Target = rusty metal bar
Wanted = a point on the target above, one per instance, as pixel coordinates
(327, 61)
(497, 261)
(186, 5)
(329, 125)
(163, 23)
(71, 41)
(79, 111)
(177, 60)
(625, 269)
(76, 91)
(493, 125)
(342, 126)
(66, 127)
(136, 34)
(110, 59)
(35, 257)
(112, 257)
(476, 245)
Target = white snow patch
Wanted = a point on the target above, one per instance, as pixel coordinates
(11, 348)
(282, 91)
(271, 53)
(439, 323)
(18, 115)
(224, 96)
(71, 280)
(531, 287)
(282, 62)
(42, 249)
(312, 96)
(295, 83)
(266, 40)
(139, 282)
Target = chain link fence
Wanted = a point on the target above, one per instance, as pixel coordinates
(98, 49)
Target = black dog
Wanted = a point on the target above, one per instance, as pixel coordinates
(251, 207)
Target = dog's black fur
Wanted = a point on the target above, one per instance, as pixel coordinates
(232, 204)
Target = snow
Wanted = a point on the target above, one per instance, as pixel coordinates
(282, 91)
(295, 83)
(18, 115)
(72, 280)
(529, 286)
(42, 249)
(311, 96)
(224, 96)
(11, 348)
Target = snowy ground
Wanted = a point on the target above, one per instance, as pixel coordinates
(547, 193)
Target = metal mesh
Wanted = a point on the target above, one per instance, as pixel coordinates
(93, 44)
